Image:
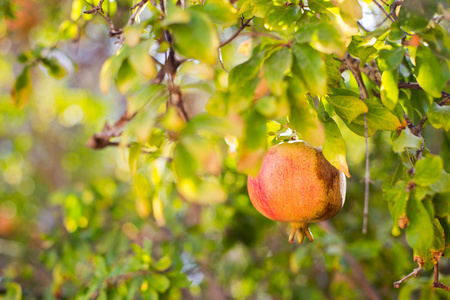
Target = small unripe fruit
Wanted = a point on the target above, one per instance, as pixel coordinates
(296, 184)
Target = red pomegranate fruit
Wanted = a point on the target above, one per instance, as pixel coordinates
(296, 184)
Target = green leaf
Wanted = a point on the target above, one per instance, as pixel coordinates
(309, 66)
(428, 170)
(441, 203)
(389, 89)
(220, 11)
(141, 126)
(431, 74)
(150, 294)
(260, 7)
(347, 107)
(389, 60)
(275, 68)
(141, 61)
(175, 15)
(196, 39)
(397, 198)
(110, 67)
(253, 145)
(13, 291)
(248, 70)
(303, 118)
(138, 101)
(334, 148)
(322, 36)
(133, 156)
(184, 164)
(22, 88)
(163, 264)
(378, 118)
(443, 184)
(420, 232)
(125, 77)
(54, 68)
(406, 140)
(439, 116)
(281, 17)
(160, 282)
(427, 259)
(333, 74)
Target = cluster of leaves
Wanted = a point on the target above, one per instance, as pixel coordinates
(309, 66)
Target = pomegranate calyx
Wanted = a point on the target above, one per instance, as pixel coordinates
(299, 229)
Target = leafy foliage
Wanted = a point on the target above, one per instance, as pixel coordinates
(208, 87)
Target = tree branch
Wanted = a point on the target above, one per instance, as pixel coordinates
(413, 273)
(383, 10)
(113, 31)
(138, 7)
(436, 282)
(243, 25)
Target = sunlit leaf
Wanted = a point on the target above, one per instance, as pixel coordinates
(220, 11)
(54, 68)
(325, 37)
(439, 116)
(160, 282)
(163, 264)
(348, 107)
(125, 77)
(430, 72)
(419, 233)
(406, 140)
(309, 66)
(275, 68)
(397, 197)
(389, 89)
(142, 62)
(199, 31)
(389, 60)
(280, 17)
(428, 170)
(334, 149)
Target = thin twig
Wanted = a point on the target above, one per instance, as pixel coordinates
(416, 86)
(366, 180)
(361, 86)
(413, 273)
(383, 10)
(138, 7)
(113, 31)
(363, 95)
(221, 61)
(243, 25)
(262, 34)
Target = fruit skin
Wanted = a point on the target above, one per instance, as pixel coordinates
(296, 184)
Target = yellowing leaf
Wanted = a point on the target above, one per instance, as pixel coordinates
(334, 149)
(22, 88)
(158, 211)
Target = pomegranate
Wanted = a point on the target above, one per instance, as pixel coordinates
(296, 184)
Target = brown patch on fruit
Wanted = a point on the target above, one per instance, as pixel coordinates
(325, 171)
